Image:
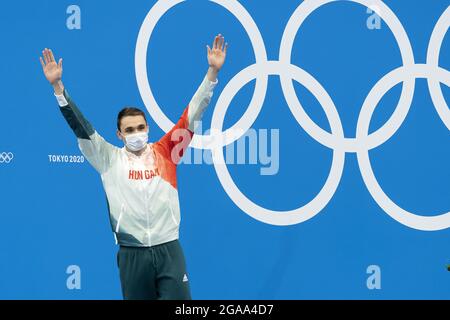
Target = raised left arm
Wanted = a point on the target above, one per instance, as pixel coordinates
(216, 58)
(183, 130)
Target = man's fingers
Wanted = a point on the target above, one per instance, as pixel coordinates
(219, 43)
(60, 63)
(222, 41)
(47, 56)
(225, 49)
(42, 62)
(52, 58)
(44, 54)
(208, 49)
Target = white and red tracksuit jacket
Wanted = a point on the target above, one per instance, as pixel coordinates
(141, 190)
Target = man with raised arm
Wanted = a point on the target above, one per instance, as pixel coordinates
(140, 183)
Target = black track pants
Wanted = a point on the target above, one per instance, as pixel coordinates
(157, 272)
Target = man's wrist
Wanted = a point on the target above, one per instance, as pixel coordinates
(212, 73)
(58, 87)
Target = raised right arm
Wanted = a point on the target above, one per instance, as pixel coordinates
(96, 150)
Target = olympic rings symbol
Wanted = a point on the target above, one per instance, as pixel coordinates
(6, 157)
(361, 144)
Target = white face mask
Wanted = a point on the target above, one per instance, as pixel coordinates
(136, 141)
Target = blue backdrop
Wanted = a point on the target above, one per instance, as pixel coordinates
(54, 214)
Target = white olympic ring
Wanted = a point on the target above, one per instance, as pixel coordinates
(6, 157)
(361, 144)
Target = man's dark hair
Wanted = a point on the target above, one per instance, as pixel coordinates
(129, 111)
